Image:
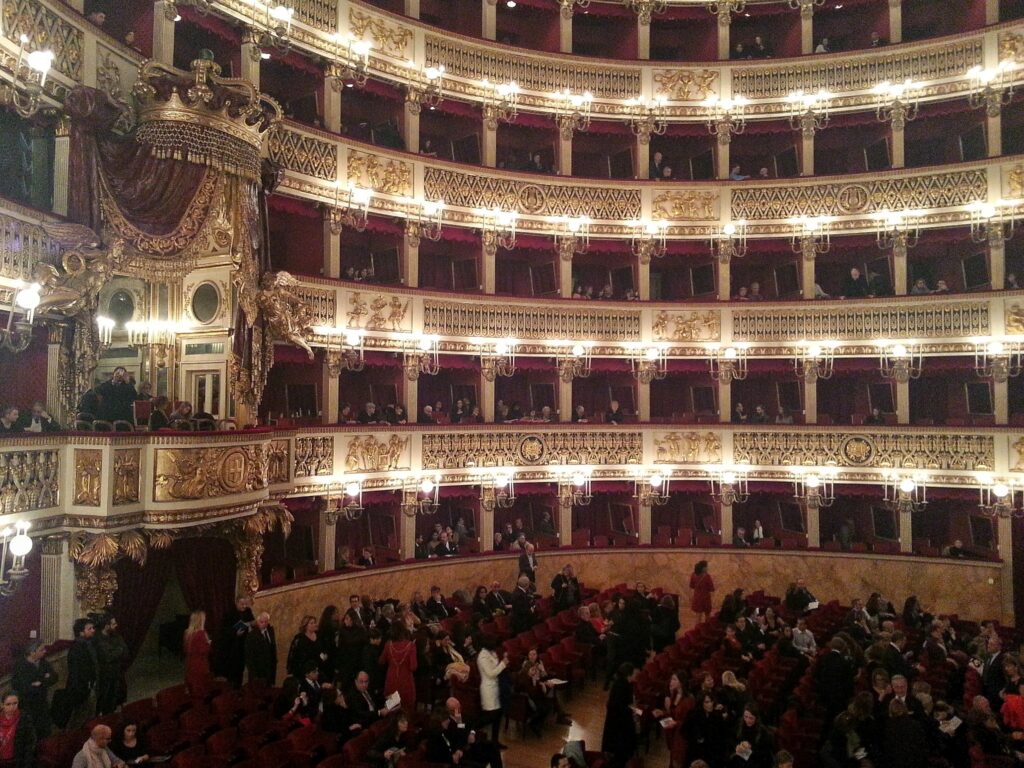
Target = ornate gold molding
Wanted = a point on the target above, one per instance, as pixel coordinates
(303, 153)
(126, 476)
(688, 448)
(689, 205)
(368, 454)
(88, 477)
(314, 456)
(392, 39)
(516, 449)
(208, 473)
(29, 480)
(686, 84)
(279, 461)
(378, 312)
(530, 321)
(686, 326)
(392, 177)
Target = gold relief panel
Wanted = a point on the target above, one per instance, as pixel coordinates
(687, 448)
(321, 303)
(279, 461)
(454, 450)
(497, 321)
(892, 321)
(938, 190)
(45, 30)
(1011, 46)
(389, 38)
(1014, 318)
(319, 14)
(1018, 448)
(314, 456)
(1013, 187)
(126, 476)
(391, 177)
(859, 73)
(685, 84)
(29, 480)
(368, 454)
(691, 205)
(686, 326)
(532, 73)
(206, 473)
(303, 153)
(474, 190)
(88, 477)
(378, 312)
(958, 452)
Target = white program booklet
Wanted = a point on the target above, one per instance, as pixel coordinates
(394, 701)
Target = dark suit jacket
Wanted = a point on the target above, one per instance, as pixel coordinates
(437, 610)
(313, 696)
(261, 655)
(895, 664)
(833, 678)
(522, 611)
(446, 549)
(993, 679)
(362, 711)
(528, 565)
(497, 601)
(83, 668)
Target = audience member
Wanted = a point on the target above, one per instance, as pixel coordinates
(9, 420)
(614, 415)
(38, 420)
(116, 397)
(18, 735)
(855, 286)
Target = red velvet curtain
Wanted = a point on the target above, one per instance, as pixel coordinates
(139, 591)
(206, 569)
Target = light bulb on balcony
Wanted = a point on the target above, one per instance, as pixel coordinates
(362, 48)
(907, 485)
(812, 481)
(28, 298)
(352, 489)
(656, 480)
(730, 353)
(1000, 490)
(729, 229)
(501, 347)
(424, 344)
(899, 350)
(40, 61)
(21, 545)
(996, 348)
(427, 486)
(579, 479)
(352, 338)
(651, 353)
(729, 478)
(501, 482)
(282, 13)
(577, 350)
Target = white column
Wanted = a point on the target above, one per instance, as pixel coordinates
(811, 401)
(412, 9)
(487, 399)
(722, 159)
(565, 410)
(643, 159)
(991, 12)
(489, 11)
(490, 144)
(807, 30)
(488, 265)
(332, 108)
(807, 153)
(895, 21)
(813, 526)
(411, 397)
(163, 34)
(899, 269)
(643, 40)
(564, 155)
(411, 128)
(994, 131)
(643, 401)
(564, 525)
(807, 277)
(57, 596)
(327, 543)
(724, 402)
(61, 155)
(724, 27)
(903, 402)
(251, 60)
(1004, 532)
(332, 249)
(898, 144)
(643, 279)
(565, 278)
(646, 522)
(331, 407)
(724, 280)
(54, 404)
(565, 33)
(486, 523)
(906, 532)
(726, 522)
(1001, 401)
(411, 262)
(997, 262)
(407, 535)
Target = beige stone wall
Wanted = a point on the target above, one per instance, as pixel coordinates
(971, 589)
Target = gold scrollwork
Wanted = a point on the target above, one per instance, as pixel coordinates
(368, 454)
(686, 84)
(205, 473)
(392, 39)
(314, 456)
(686, 326)
(303, 153)
(381, 313)
(391, 177)
(1014, 319)
(685, 206)
(688, 448)
(88, 477)
(126, 476)
(454, 450)
(278, 461)
(29, 480)
(1015, 181)
(529, 322)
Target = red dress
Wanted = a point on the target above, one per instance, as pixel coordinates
(400, 656)
(197, 663)
(702, 587)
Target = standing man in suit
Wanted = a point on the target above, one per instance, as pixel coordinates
(261, 651)
(993, 677)
(833, 679)
(528, 563)
(522, 606)
(83, 670)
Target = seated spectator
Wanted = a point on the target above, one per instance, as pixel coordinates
(346, 415)
(760, 415)
(763, 173)
(537, 164)
(739, 538)
(855, 286)
(739, 414)
(614, 415)
(181, 417)
(736, 174)
(397, 415)
(546, 415)
(823, 46)
(877, 40)
(427, 416)
(874, 419)
(941, 287)
(128, 743)
(759, 50)
(427, 148)
(445, 546)
(739, 52)
(799, 597)
(742, 294)
(9, 420)
(657, 164)
(1011, 282)
(366, 559)
(920, 287)
(803, 639)
(755, 292)
(579, 415)
(819, 292)
(783, 416)
(878, 285)
(757, 532)
(956, 549)
(38, 420)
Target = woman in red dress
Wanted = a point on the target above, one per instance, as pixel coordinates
(702, 586)
(400, 656)
(197, 654)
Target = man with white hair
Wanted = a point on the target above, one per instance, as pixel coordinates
(95, 753)
(261, 651)
(427, 416)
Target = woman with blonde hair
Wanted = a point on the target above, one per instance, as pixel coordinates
(197, 654)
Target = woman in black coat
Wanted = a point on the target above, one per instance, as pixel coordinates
(619, 736)
(905, 740)
(752, 735)
(18, 725)
(706, 731)
(664, 623)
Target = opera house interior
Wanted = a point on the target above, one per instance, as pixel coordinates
(379, 377)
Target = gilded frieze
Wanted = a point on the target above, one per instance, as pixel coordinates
(690, 205)
(496, 321)
(1014, 318)
(29, 480)
(207, 473)
(319, 14)
(391, 177)
(390, 38)
(687, 448)
(368, 454)
(314, 456)
(685, 84)
(454, 450)
(378, 312)
(934, 190)
(1015, 182)
(686, 326)
(126, 476)
(303, 153)
(892, 450)
(474, 190)
(45, 30)
(88, 476)
(1011, 46)
(893, 321)
(279, 461)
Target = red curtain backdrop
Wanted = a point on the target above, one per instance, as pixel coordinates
(139, 591)
(206, 571)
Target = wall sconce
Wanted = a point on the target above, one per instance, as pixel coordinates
(420, 496)
(998, 498)
(993, 223)
(157, 337)
(900, 362)
(894, 103)
(501, 362)
(574, 487)
(498, 228)
(17, 335)
(905, 493)
(815, 361)
(645, 9)
(498, 490)
(171, 12)
(350, 354)
(572, 236)
(648, 363)
(997, 360)
(991, 88)
(806, 7)
(724, 9)
(897, 231)
(351, 501)
(729, 485)
(428, 92)
(726, 117)
(28, 79)
(572, 111)
(352, 211)
(501, 103)
(647, 118)
(809, 112)
(814, 489)
(730, 241)
(105, 329)
(424, 221)
(728, 363)
(277, 33)
(648, 240)
(351, 65)
(811, 236)
(573, 360)
(16, 541)
(422, 359)
(568, 5)
(651, 486)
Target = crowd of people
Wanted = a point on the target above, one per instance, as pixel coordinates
(586, 292)
(465, 411)
(760, 415)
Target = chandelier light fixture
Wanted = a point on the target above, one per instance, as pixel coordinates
(567, 6)
(172, 8)
(422, 358)
(351, 65)
(157, 337)
(420, 495)
(806, 7)
(730, 241)
(648, 240)
(648, 363)
(811, 236)
(809, 112)
(574, 487)
(498, 228)
(645, 9)
(272, 33)
(425, 89)
(997, 360)
(15, 544)
(814, 488)
(651, 487)
(999, 498)
(501, 362)
(647, 117)
(993, 223)
(351, 501)
(350, 354)
(501, 103)
(905, 493)
(728, 363)
(572, 236)
(900, 362)
(724, 9)
(991, 87)
(28, 79)
(897, 231)
(573, 360)
(105, 330)
(815, 360)
(424, 220)
(726, 117)
(895, 103)
(729, 485)
(350, 210)
(497, 489)
(572, 111)
(17, 334)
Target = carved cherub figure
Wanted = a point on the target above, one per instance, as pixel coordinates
(287, 315)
